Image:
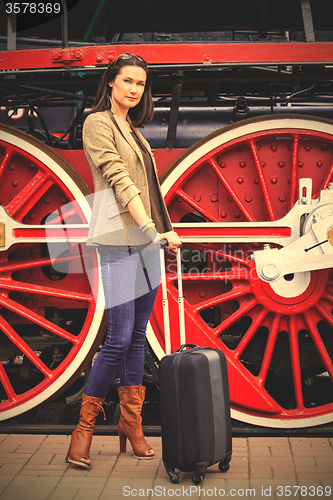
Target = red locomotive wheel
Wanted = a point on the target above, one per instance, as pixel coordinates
(226, 196)
(51, 311)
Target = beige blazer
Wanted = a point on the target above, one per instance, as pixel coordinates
(119, 174)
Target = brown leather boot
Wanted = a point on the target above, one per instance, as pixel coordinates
(78, 452)
(129, 425)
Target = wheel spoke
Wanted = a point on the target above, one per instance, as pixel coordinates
(5, 162)
(24, 348)
(220, 299)
(6, 384)
(325, 314)
(247, 337)
(234, 317)
(295, 362)
(268, 201)
(320, 346)
(293, 182)
(271, 341)
(43, 262)
(43, 290)
(29, 196)
(231, 191)
(35, 318)
(196, 206)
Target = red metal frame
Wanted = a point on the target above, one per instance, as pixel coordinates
(178, 53)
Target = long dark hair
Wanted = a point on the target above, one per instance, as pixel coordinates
(143, 112)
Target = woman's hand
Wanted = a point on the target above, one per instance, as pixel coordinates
(172, 238)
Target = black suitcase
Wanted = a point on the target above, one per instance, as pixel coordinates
(195, 407)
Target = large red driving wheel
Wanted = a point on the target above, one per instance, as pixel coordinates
(278, 338)
(51, 305)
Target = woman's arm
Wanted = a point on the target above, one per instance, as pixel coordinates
(139, 214)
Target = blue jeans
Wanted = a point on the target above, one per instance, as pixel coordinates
(130, 281)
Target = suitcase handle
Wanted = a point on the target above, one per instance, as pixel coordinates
(163, 245)
(183, 346)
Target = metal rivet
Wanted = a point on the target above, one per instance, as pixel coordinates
(300, 164)
(31, 216)
(240, 180)
(179, 199)
(324, 147)
(263, 163)
(202, 294)
(47, 199)
(11, 167)
(274, 180)
(197, 197)
(15, 184)
(282, 197)
(223, 215)
(274, 147)
(230, 198)
(242, 164)
(256, 180)
(307, 147)
(237, 215)
(214, 198)
(223, 164)
(320, 163)
(248, 198)
(281, 164)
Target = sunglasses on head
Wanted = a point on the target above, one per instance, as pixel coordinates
(128, 56)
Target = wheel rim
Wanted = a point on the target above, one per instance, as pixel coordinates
(51, 318)
(277, 340)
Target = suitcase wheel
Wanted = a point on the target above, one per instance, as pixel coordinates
(224, 466)
(197, 477)
(174, 476)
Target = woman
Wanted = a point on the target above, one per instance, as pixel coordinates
(129, 218)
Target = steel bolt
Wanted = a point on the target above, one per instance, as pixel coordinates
(56, 56)
(282, 197)
(99, 58)
(29, 302)
(248, 198)
(77, 54)
(202, 294)
(197, 197)
(214, 198)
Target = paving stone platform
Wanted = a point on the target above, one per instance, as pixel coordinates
(32, 467)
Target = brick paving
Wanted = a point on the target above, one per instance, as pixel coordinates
(32, 467)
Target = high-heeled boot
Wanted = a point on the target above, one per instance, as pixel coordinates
(78, 452)
(129, 425)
